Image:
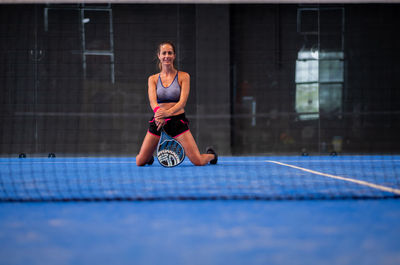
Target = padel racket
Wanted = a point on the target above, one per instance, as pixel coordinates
(170, 152)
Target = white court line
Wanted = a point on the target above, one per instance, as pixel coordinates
(360, 182)
(341, 161)
(311, 161)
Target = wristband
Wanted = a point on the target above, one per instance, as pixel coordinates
(155, 109)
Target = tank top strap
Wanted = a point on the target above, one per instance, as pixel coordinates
(159, 81)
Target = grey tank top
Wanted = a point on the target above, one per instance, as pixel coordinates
(172, 93)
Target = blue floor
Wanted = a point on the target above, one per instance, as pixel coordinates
(292, 232)
(201, 232)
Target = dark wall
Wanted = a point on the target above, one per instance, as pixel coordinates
(373, 75)
(239, 57)
(265, 42)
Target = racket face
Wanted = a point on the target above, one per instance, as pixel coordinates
(170, 152)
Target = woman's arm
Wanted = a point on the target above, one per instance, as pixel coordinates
(152, 91)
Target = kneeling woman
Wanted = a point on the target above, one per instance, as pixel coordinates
(168, 94)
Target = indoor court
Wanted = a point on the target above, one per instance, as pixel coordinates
(299, 99)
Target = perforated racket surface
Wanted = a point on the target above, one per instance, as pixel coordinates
(170, 152)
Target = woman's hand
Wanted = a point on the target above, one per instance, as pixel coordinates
(159, 122)
(161, 114)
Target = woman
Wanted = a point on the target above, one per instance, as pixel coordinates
(168, 93)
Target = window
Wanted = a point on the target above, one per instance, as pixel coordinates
(319, 83)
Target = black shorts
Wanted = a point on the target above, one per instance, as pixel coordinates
(174, 125)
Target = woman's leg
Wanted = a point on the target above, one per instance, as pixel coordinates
(146, 151)
(192, 151)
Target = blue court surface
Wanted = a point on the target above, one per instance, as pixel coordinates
(245, 210)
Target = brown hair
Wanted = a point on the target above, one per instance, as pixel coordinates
(159, 64)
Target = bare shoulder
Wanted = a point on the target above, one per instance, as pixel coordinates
(183, 76)
(153, 78)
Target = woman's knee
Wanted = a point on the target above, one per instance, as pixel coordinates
(197, 161)
(140, 161)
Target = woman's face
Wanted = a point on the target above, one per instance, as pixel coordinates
(166, 55)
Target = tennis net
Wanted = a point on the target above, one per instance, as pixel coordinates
(233, 178)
